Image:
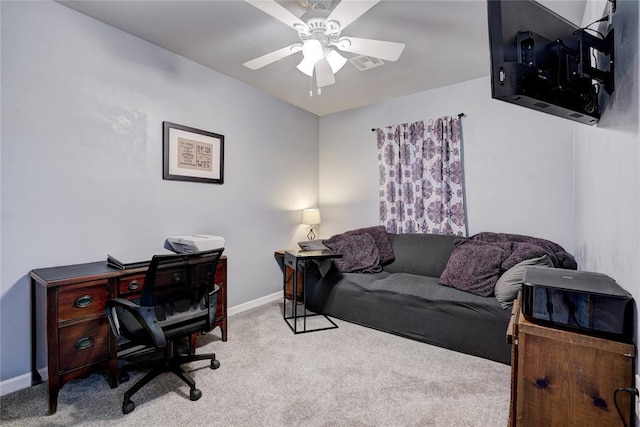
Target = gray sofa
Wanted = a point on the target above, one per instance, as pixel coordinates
(406, 299)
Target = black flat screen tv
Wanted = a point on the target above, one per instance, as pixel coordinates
(542, 61)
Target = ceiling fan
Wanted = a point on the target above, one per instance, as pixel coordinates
(320, 31)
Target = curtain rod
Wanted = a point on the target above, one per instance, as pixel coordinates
(459, 116)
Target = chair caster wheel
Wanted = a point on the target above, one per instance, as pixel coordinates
(124, 378)
(128, 407)
(215, 364)
(195, 394)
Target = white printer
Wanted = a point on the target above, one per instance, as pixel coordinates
(195, 243)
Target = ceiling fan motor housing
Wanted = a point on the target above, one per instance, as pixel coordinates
(318, 4)
(318, 28)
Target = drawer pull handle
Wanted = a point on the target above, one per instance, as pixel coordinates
(133, 285)
(84, 301)
(176, 277)
(84, 343)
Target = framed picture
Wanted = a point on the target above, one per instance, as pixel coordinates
(192, 154)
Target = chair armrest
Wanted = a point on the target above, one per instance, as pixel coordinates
(145, 316)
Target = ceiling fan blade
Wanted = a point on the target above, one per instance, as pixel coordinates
(348, 11)
(324, 75)
(389, 51)
(274, 9)
(271, 57)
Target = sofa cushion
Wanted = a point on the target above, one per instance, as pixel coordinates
(416, 307)
(510, 282)
(422, 254)
(475, 266)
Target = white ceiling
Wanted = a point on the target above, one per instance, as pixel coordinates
(446, 42)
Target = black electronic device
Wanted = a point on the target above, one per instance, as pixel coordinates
(542, 61)
(590, 302)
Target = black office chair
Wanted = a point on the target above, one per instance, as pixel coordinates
(172, 307)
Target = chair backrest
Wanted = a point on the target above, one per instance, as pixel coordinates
(179, 297)
(180, 294)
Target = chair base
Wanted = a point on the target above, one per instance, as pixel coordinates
(169, 363)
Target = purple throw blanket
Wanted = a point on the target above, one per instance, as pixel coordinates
(382, 240)
(359, 253)
(476, 263)
(527, 247)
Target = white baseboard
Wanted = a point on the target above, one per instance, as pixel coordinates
(23, 381)
(15, 384)
(253, 304)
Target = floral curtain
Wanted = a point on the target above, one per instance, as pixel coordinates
(421, 177)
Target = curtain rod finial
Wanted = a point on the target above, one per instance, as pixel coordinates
(462, 115)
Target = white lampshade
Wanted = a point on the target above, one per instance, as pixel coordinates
(306, 66)
(311, 216)
(336, 61)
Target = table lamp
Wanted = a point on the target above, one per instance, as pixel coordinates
(311, 217)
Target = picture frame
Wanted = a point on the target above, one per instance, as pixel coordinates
(191, 154)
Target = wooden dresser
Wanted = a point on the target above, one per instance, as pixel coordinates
(69, 329)
(564, 378)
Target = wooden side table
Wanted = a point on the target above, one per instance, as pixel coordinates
(297, 261)
(288, 277)
(565, 378)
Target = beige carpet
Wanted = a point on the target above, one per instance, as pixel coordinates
(351, 376)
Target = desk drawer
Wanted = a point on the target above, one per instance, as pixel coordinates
(203, 272)
(83, 343)
(132, 284)
(172, 276)
(290, 261)
(79, 302)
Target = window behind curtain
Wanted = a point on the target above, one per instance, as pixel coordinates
(421, 177)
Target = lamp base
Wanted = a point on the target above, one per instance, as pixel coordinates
(311, 235)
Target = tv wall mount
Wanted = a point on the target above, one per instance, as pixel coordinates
(573, 62)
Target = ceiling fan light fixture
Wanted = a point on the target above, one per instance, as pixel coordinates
(312, 50)
(336, 61)
(319, 30)
(306, 66)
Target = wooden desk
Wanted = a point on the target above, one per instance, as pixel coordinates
(68, 304)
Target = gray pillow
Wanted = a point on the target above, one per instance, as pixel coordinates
(510, 282)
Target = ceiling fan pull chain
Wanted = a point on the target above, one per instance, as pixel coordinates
(310, 87)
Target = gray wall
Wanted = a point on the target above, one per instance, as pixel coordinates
(518, 162)
(607, 164)
(83, 105)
